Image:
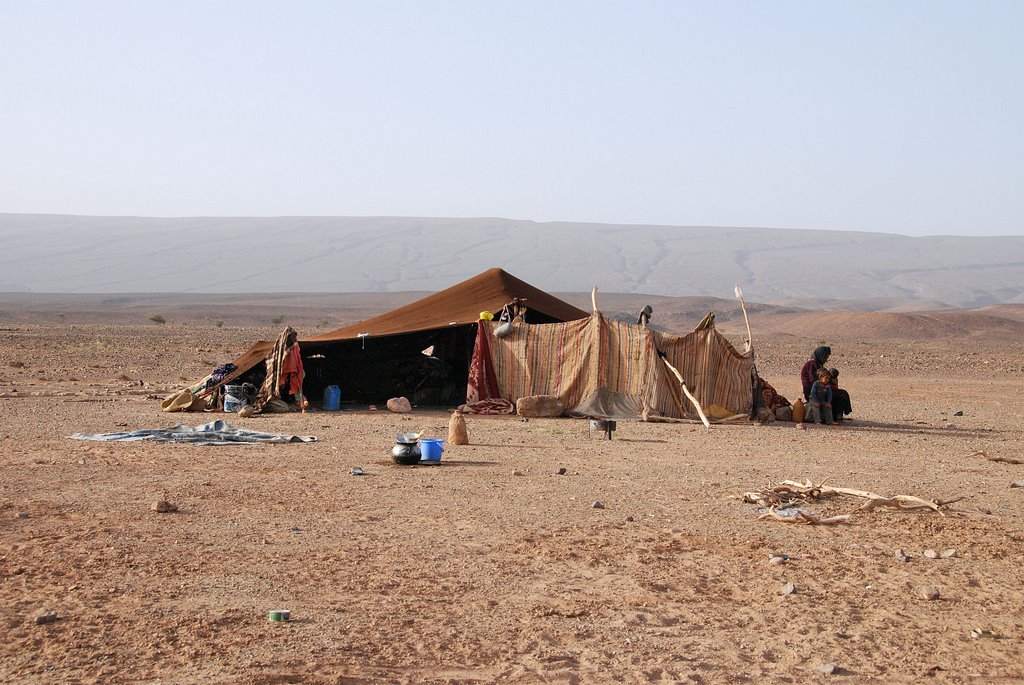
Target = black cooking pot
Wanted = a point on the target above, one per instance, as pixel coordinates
(406, 453)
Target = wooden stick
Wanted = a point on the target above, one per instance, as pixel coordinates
(775, 508)
(1004, 460)
(689, 396)
(787, 488)
(803, 517)
(593, 298)
(680, 407)
(743, 305)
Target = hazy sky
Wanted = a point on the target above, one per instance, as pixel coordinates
(903, 117)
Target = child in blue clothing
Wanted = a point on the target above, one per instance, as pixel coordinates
(820, 399)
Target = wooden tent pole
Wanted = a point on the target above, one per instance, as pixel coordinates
(755, 380)
(689, 395)
(593, 298)
(750, 338)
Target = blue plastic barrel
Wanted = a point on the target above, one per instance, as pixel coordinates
(332, 398)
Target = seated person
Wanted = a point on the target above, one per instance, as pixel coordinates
(820, 398)
(841, 405)
(809, 372)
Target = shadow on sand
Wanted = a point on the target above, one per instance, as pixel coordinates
(434, 465)
(906, 428)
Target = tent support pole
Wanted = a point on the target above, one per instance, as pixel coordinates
(754, 376)
(743, 305)
(689, 396)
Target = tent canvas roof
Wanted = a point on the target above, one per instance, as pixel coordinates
(459, 304)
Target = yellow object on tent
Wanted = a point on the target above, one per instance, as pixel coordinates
(718, 412)
(486, 316)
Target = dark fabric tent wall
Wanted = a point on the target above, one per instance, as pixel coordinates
(384, 356)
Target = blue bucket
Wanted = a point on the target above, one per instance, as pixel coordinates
(430, 449)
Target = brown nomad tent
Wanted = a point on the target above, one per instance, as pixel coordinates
(436, 352)
(384, 356)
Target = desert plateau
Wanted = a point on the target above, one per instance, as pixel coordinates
(535, 554)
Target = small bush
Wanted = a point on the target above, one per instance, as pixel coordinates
(276, 320)
(157, 318)
(218, 323)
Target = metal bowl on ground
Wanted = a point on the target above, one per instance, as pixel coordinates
(406, 453)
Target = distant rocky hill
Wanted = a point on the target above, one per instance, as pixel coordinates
(52, 253)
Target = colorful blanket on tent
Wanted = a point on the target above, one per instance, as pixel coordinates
(283, 359)
(483, 384)
(491, 406)
(770, 398)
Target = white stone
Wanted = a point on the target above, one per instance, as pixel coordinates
(400, 405)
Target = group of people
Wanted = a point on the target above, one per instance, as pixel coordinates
(826, 402)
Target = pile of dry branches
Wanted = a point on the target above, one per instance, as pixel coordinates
(782, 501)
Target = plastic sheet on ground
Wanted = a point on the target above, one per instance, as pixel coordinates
(214, 433)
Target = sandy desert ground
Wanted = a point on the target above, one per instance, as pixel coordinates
(491, 567)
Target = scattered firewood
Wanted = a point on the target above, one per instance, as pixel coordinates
(1004, 460)
(789, 493)
(801, 516)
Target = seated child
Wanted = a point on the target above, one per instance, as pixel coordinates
(820, 399)
(841, 405)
